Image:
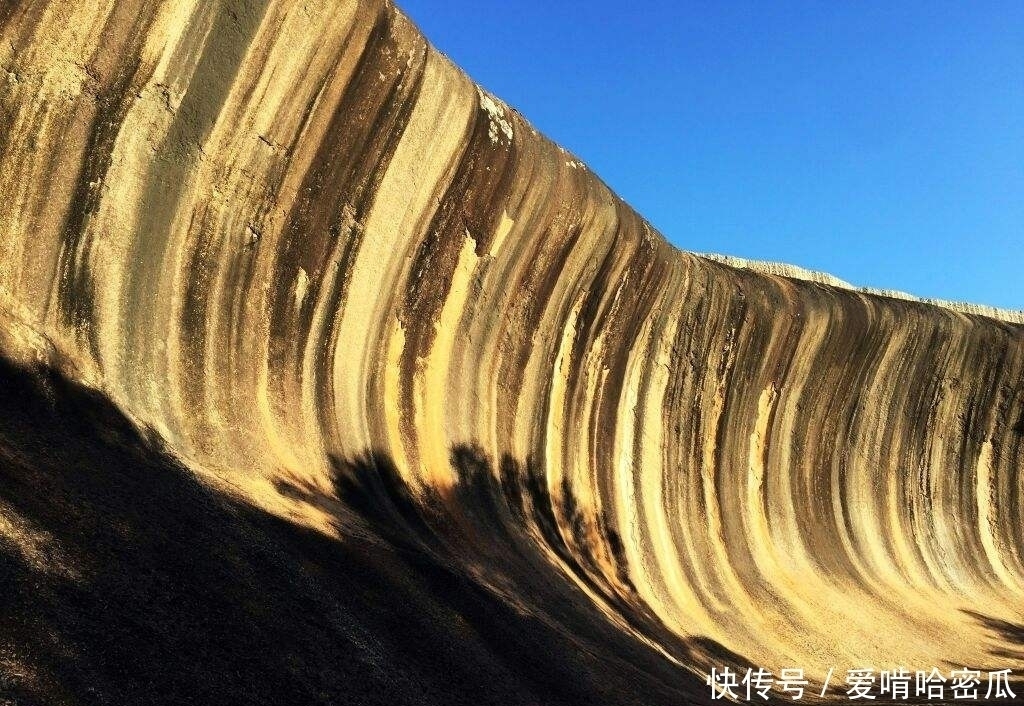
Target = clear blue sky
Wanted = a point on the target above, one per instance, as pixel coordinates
(882, 142)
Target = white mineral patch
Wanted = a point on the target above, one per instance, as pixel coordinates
(496, 110)
(301, 287)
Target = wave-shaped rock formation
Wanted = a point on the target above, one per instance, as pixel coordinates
(327, 379)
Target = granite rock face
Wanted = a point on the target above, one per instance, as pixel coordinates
(337, 287)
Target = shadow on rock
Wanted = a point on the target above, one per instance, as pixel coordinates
(125, 581)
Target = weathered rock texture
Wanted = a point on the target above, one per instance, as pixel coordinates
(341, 289)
